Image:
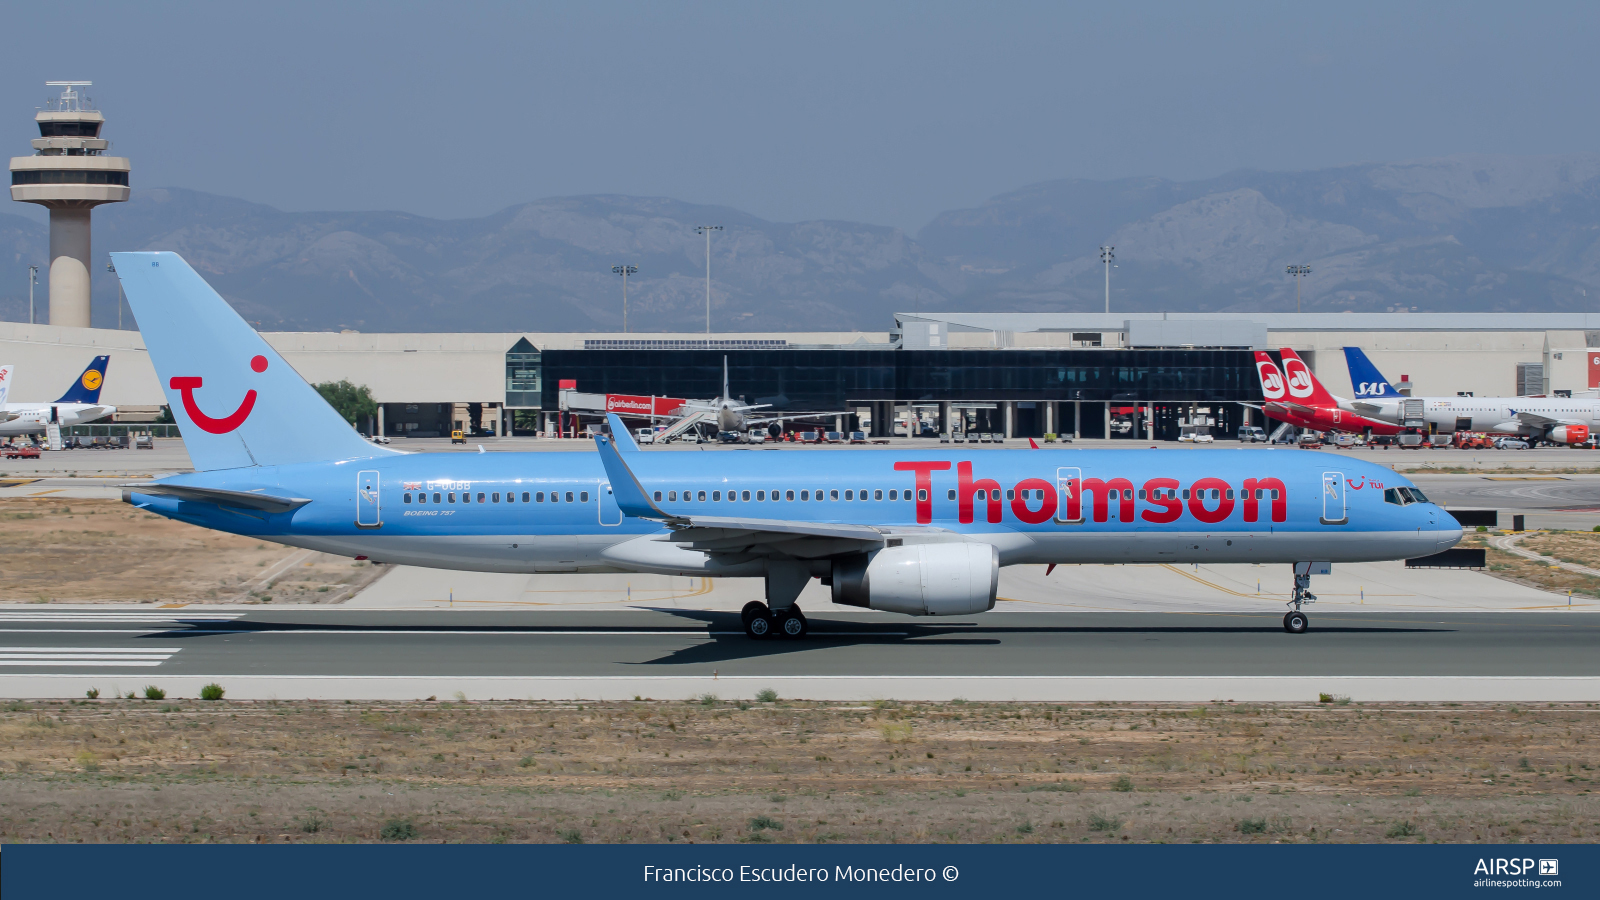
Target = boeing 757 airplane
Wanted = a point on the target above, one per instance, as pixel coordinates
(914, 531)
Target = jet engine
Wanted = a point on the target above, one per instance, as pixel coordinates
(942, 579)
(1569, 434)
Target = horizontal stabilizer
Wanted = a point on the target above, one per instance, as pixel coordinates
(236, 499)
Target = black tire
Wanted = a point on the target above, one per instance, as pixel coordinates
(751, 610)
(791, 624)
(1295, 622)
(759, 628)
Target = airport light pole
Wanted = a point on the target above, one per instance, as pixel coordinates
(33, 279)
(1106, 256)
(706, 230)
(1297, 273)
(624, 271)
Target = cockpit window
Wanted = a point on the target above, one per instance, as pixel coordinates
(1417, 495)
(1403, 496)
(1392, 495)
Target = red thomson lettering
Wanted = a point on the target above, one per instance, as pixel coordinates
(1279, 495)
(1119, 489)
(1197, 500)
(965, 487)
(1019, 502)
(924, 472)
(1171, 506)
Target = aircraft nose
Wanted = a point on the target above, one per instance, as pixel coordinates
(1445, 529)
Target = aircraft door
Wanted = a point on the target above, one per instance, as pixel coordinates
(1069, 483)
(368, 513)
(610, 512)
(1334, 510)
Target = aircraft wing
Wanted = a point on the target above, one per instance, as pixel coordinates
(1366, 408)
(237, 499)
(1528, 418)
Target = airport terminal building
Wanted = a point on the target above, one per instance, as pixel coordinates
(1135, 376)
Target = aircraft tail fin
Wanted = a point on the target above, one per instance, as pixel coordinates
(1272, 384)
(236, 400)
(5, 383)
(726, 395)
(1303, 386)
(87, 388)
(1369, 382)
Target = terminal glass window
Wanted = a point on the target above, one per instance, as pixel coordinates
(523, 372)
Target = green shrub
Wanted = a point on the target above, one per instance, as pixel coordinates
(151, 692)
(1123, 784)
(1401, 829)
(92, 693)
(708, 699)
(1253, 826)
(767, 695)
(570, 835)
(525, 762)
(762, 823)
(211, 692)
(398, 830)
(1025, 828)
(1098, 822)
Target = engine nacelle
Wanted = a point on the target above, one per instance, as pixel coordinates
(943, 579)
(1569, 434)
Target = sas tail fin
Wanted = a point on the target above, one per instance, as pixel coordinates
(1368, 381)
(5, 384)
(238, 403)
(1303, 386)
(87, 388)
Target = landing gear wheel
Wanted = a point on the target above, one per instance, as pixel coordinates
(791, 623)
(751, 610)
(760, 625)
(1295, 622)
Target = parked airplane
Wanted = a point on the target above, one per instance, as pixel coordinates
(1562, 421)
(80, 405)
(920, 532)
(733, 417)
(1295, 396)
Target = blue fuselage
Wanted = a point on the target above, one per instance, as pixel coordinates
(554, 511)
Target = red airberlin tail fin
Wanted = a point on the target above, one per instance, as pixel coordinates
(1273, 386)
(1303, 387)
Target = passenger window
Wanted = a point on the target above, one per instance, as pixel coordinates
(994, 494)
(877, 495)
(480, 497)
(658, 496)
(407, 498)
(717, 495)
(805, 495)
(922, 493)
(496, 496)
(1010, 494)
(832, 495)
(702, 496)
(951, 494)
(451, 497)
(895, 495)
(787, 495)
(582, 498)
(436, 497)
(1230, 493)
(539, 497)
(466, 496)
(672, 496)
(1127, 494)
(1141, 493)
(1216, 493)
(524, 496)
(1274, 493)
(760, 495)
(848, 495)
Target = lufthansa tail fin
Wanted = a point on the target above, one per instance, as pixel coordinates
(236, 400)
(1303, 387)
(87, 388)
(1369, 382)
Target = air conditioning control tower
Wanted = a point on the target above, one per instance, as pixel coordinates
(70, 175)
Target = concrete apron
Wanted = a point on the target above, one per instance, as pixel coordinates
(835, 688)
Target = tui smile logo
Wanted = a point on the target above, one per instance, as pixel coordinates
(186, 385)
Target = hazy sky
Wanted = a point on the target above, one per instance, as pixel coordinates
(877, 112)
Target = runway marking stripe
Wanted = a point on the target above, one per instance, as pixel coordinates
(70, 663)
(47, 657)
(90, 649)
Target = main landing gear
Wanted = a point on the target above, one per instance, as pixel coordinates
(760, 622)
(1295, 621)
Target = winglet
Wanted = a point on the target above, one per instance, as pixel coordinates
(625, 441)
(630, 495)
(1032, 443)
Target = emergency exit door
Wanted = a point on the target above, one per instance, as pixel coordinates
(368, 513)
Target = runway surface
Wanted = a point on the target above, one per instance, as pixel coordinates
(340, 653)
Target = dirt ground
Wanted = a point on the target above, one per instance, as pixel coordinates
(77, 551)
(1581, 547)
(194, 771)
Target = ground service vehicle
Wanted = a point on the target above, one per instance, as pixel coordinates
(458, 437)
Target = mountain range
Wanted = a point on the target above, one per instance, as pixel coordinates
(1460, 233)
